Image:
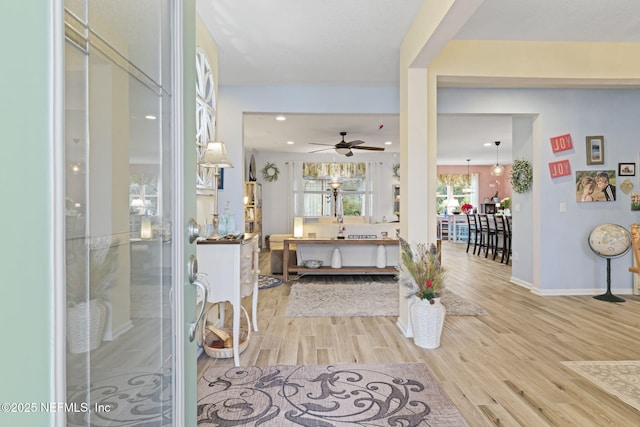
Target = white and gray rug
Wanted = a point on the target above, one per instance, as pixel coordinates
(335, 395)
(620, 378)
(362, 299)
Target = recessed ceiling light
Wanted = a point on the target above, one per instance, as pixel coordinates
(150, 117)
(281, 118)
(488, 144)
(388, 143)
(290, 142)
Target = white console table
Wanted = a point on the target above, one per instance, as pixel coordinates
(361, 244)
(231, 268)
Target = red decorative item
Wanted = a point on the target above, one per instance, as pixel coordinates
(561, 143)
(561, 168)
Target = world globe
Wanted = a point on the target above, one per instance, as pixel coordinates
(610, 240)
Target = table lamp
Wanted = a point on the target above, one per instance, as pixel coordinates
(215, 157)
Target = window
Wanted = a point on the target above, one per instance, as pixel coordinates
(319, 197)
(452, 187)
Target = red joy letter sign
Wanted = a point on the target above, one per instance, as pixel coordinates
(561, 143)
(561, 168)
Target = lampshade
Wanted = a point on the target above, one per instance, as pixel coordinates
(453, 203)
(335, 184)
(297, 227)
(215, 156)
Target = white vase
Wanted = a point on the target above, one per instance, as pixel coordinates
(381, 257)
(427, 321)
(336, 259)
(85, 325)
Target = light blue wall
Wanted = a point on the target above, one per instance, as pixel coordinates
(26, 289)
(236, 100)
(567, 265)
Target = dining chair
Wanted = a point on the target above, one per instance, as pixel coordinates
(473, 232)
(508, 234)
(500, 237)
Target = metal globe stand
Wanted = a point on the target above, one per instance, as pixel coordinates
(608, 296)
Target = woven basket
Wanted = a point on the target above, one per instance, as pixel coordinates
(209, 336)
(85, 325)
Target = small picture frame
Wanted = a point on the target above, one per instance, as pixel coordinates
(595, 150)
(626, 169)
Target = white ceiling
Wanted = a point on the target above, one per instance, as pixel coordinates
(356, 43)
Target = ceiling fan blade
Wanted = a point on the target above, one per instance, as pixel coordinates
(364, 147)
(317, 143)
(322, 149)
(355, 142)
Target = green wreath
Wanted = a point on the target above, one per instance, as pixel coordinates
(396, 170)
(270, 172)
(521, 176)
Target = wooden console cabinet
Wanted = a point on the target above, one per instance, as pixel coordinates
(333, 242)
(231, 268)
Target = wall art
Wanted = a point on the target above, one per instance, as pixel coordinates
(595, 150)
(596, 186)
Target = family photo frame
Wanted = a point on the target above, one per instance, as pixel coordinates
(626, 169)
(595, 150)
(596, 186)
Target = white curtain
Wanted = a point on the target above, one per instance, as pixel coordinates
(295, 193)
(373, 185)
(475, 196)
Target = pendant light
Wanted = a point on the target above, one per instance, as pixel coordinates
(497, 169)
(468, 188)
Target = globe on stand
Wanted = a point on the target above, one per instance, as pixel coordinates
(609, 241)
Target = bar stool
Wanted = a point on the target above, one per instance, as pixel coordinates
(473, 232)
(487, 235)
(507, 228)
(500, 238)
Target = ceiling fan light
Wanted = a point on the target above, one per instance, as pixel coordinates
(343, 150)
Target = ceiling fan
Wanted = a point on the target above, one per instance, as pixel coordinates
(344, 147)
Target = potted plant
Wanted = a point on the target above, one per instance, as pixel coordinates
(505, 203)
(421, 272)
(87, 291)
(467, 208)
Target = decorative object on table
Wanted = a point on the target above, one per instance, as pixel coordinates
(497, 169)
(267, 282)
(521, 176)
(421, 272)
(312, 263)
(561, 143)
(453, 206)
(609, 241)
(626, 186)
(381, 257)
(252, 169)
(324, 395)
(505, 203)
(270, 172)
(596, 186)
(467, 208)
(627, 169)
(396, 170)
(560, 168)
(336, 258)
(595, 150)
(215, 157)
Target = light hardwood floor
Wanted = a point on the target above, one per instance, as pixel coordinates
(502, 369)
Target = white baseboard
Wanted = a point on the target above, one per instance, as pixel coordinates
(406, 330)
(567, 292)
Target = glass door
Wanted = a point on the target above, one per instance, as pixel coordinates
(120, 203)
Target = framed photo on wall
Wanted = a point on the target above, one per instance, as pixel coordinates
(626, 169)
(596, 186)
(595, 150)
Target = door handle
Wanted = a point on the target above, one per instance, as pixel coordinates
(193, 230)
(194, 326)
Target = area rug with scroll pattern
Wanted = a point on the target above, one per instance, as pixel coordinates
(363, 299)
(328, 395)
(620, 378)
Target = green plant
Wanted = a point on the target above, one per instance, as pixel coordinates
(420, 269)
(505, 203)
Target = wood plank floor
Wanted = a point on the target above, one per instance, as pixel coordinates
(502, 369)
